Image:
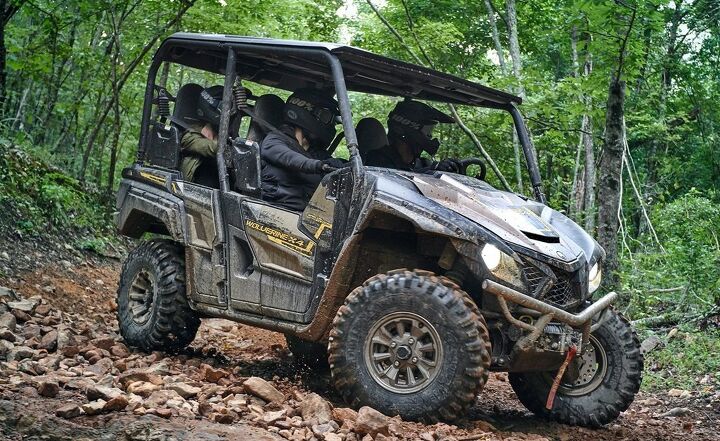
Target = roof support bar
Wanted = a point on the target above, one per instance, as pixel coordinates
(222, 138)
(529, 151)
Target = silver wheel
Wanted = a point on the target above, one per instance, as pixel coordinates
(403, 352)
(141, 296)
(593, 367)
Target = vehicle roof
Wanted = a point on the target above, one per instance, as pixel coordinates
(291, 64)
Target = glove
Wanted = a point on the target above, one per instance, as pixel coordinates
(448, 165)
(330, 164)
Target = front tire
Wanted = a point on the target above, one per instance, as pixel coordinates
(610, 376)
(153, 312)
(410, 343)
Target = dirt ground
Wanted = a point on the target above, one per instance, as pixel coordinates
(80, 290)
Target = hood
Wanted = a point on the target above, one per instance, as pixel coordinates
(513, 218)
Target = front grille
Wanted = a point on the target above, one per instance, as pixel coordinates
(552, 285)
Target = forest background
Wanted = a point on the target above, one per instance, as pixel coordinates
(621, 97)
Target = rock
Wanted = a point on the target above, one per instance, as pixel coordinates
(208, 373)
(7, 320)
(27, 306)
(68, 411)
(133, 375)
(321, 429)
(142, 388)
(332, 437)
(222, 418)
(342, 414)
(119, 350)
(371, 422)
(21, 316)
(315, 408)
(184, 390)
(49, 341)
(101, 367)
(676, 412)
(94, 407)
(679, 393)
(271, 417)
(261, 388)
(103, 343)
(7, 294)
(160, 397)
(43, 309)
(20, 353)
(651, 343)
(673, 332)
(117, 403)
(162, 413)
(96, 392)
(48, 389)
(5, 348)
(65, 338)
(6, 334)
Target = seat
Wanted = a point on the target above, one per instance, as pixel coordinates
(186, 104)
(269, 107)
(370, 135)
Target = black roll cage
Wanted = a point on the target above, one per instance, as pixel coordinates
(221, 56)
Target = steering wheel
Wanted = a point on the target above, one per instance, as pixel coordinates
(464, 163)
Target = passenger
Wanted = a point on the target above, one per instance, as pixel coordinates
(295, 158)
(199, 141)
(410, 127)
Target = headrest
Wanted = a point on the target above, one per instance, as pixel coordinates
(186, 103)
(370, 135)
(270, 108)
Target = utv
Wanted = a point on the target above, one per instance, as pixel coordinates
(413, 287)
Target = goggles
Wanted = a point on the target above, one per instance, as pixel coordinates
(325, 116)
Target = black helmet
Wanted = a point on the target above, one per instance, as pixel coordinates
(210, 105)
(414, 121)
(315, 113)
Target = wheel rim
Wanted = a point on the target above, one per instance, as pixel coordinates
(403, 352)
(593, 367)
(141, 296)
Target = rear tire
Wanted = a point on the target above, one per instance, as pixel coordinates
(609, 380)
(425, 324)
(310, 354)
(153, 312)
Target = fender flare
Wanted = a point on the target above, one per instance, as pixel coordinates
(141, 207)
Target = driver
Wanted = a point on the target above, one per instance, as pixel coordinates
(410, 128)
(295, 157)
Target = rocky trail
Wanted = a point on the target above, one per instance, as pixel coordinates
(65, 374)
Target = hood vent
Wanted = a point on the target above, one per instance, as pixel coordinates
(542, 238)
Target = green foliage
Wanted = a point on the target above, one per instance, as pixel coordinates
(41, 199)
(683, 361)
(683, 276)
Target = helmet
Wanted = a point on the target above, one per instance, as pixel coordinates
(414, 121)
(210, 105)
(315, 113)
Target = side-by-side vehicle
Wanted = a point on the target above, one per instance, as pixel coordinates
(412, 287)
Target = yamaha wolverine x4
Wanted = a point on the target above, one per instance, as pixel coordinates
(411, 287)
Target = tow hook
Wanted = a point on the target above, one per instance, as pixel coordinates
(556, 383)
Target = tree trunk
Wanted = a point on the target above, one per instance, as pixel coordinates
(496, 37)
(121, 82)
(517, 72)
(610, 169)
(589, 178)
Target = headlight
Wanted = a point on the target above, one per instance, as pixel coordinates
(501, 265)
(594, 277)
(492, 256)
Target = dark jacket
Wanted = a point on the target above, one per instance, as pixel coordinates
(290, 175)
(388, 157)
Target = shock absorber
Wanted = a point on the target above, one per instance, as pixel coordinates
(240, 95)
(163, 103)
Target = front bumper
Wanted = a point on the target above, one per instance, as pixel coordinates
(583, 320)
